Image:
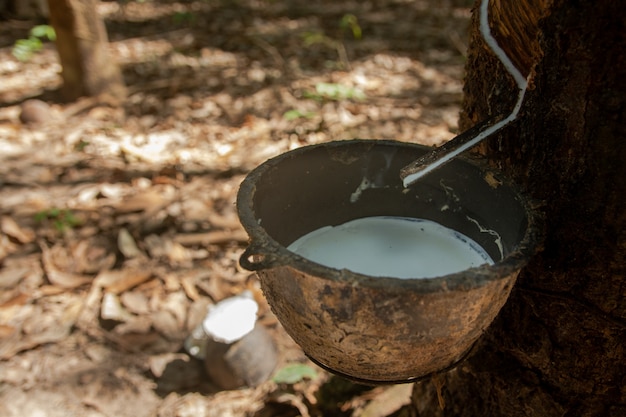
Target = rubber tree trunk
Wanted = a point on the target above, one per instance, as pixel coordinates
(558, 348)
(82, 43)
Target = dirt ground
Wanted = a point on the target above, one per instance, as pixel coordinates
(118, 225)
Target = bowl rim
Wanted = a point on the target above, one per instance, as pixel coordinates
(263, 252)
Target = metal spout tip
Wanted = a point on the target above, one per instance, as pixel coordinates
(440, 156)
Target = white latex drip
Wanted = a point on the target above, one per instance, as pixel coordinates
(522, 84)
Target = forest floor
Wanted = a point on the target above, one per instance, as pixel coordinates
(118, 224)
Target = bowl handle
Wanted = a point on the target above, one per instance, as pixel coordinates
(254, 258)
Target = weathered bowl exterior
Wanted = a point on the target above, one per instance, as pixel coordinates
(380, 336)
(378, 329)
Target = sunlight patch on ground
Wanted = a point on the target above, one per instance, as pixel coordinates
(30, 78)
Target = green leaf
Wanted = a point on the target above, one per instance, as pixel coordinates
(297, 114)
(43, 31)
(41, 216)
(61, 219)
(25, 48)
(350, 21)
(70, 219)
(54, 213)
(180, 18)
(312, 38)
(335, 91)
(293, 373)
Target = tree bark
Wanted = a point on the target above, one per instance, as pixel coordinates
(558, 347)
(82, 43)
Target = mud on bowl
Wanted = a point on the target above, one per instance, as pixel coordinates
(369, 328)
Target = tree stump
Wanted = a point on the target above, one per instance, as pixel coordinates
(82, 44)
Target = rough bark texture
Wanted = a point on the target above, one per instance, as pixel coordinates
(82, 46)
(558, 347)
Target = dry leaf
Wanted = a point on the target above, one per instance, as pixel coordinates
(112, 191)
(126, 244)
(10, 276)
(158, 363)
(111, 309)
(165, 323)
(55, 275)
(160, 247)
(11, 228)
(223, 220)
(176, 303)
(15, 298)
(91, 256)
(212, 237)
(213, 287)
(295, 401)
(15, 316)
(189, 286)
(6, 246)
(91, 306)
(119, 281)
(141, 342)
(6, 331)
(145, 201)
(135, 301)
(178, 254)
(196, 313)
(134, 325)
(39, 325)
(46, 290)
(389, 401)
(171, 282)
